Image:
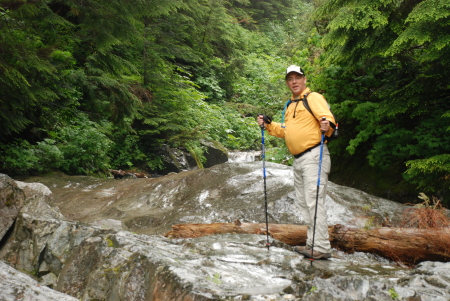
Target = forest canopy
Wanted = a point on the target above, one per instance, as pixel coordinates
(91, 85)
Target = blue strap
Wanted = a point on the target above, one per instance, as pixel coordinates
(284, 113)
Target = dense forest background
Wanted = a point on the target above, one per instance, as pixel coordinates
(90, 85)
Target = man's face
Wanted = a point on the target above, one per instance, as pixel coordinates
(296, 83)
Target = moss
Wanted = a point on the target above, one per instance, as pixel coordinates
(115, 270)
(393, 293)
(370, 223)
(216, 278)
(10, 199)
(110, 242)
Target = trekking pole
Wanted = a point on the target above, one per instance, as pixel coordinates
(263, 155)
(317, 193)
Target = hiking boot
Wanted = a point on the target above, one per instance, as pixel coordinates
(316, 254)
(301, 249)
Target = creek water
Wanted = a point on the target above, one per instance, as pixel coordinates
(232, 266)
(238, 157)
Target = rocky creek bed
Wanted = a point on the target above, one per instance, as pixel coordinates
(68, 238)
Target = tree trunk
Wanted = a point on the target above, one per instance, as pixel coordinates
(404, 245)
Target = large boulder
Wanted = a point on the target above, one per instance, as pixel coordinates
(12, 198)
(179, 159)
(215, 153)
(91, 263)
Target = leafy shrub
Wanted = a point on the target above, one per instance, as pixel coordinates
(279, 155)
(85, 147)
(431, 174)
(20, 157)
(126, 151)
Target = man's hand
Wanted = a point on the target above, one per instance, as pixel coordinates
(260, 120)
(324, 125)
(263, 120)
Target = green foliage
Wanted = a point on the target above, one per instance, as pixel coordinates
(20, 157)
(280, 155)
(261, 83)
(91, 85)
(79, 148)
(28, 79)
(312, 290)
(427, 29)
(385, 70)
(160, 72)
(239, 133)
(126, 152)
(435, 169)
(393, 293)
(52, 63)
(263, 12)
(85, 147)
(216, 278)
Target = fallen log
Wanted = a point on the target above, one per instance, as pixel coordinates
(408, 246)
(127, 174)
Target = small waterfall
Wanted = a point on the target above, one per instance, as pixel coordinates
(250, 156)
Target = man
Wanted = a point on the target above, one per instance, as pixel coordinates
(302, 132)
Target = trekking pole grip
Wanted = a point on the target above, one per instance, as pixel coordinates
(266, 119)
(323, 119)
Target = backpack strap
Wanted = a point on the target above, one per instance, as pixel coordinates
(296, 101)
(284, 113)
(334, 126)
(306, 105)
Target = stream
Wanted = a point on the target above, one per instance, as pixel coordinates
(101, 239)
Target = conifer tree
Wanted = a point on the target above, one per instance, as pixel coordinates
(387, 66)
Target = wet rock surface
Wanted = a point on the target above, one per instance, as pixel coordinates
(74, 242)
(15, 285)
(222, 193)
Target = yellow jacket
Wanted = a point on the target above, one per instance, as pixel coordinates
(303, 131)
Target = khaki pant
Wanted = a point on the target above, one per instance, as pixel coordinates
(306, 171)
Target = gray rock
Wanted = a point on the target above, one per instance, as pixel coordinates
(15, 285)
(177, 160)
(73, 250)
(214, 154)
(222, 193)
(12, 198)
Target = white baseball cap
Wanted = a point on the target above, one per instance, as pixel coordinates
(294, 68)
